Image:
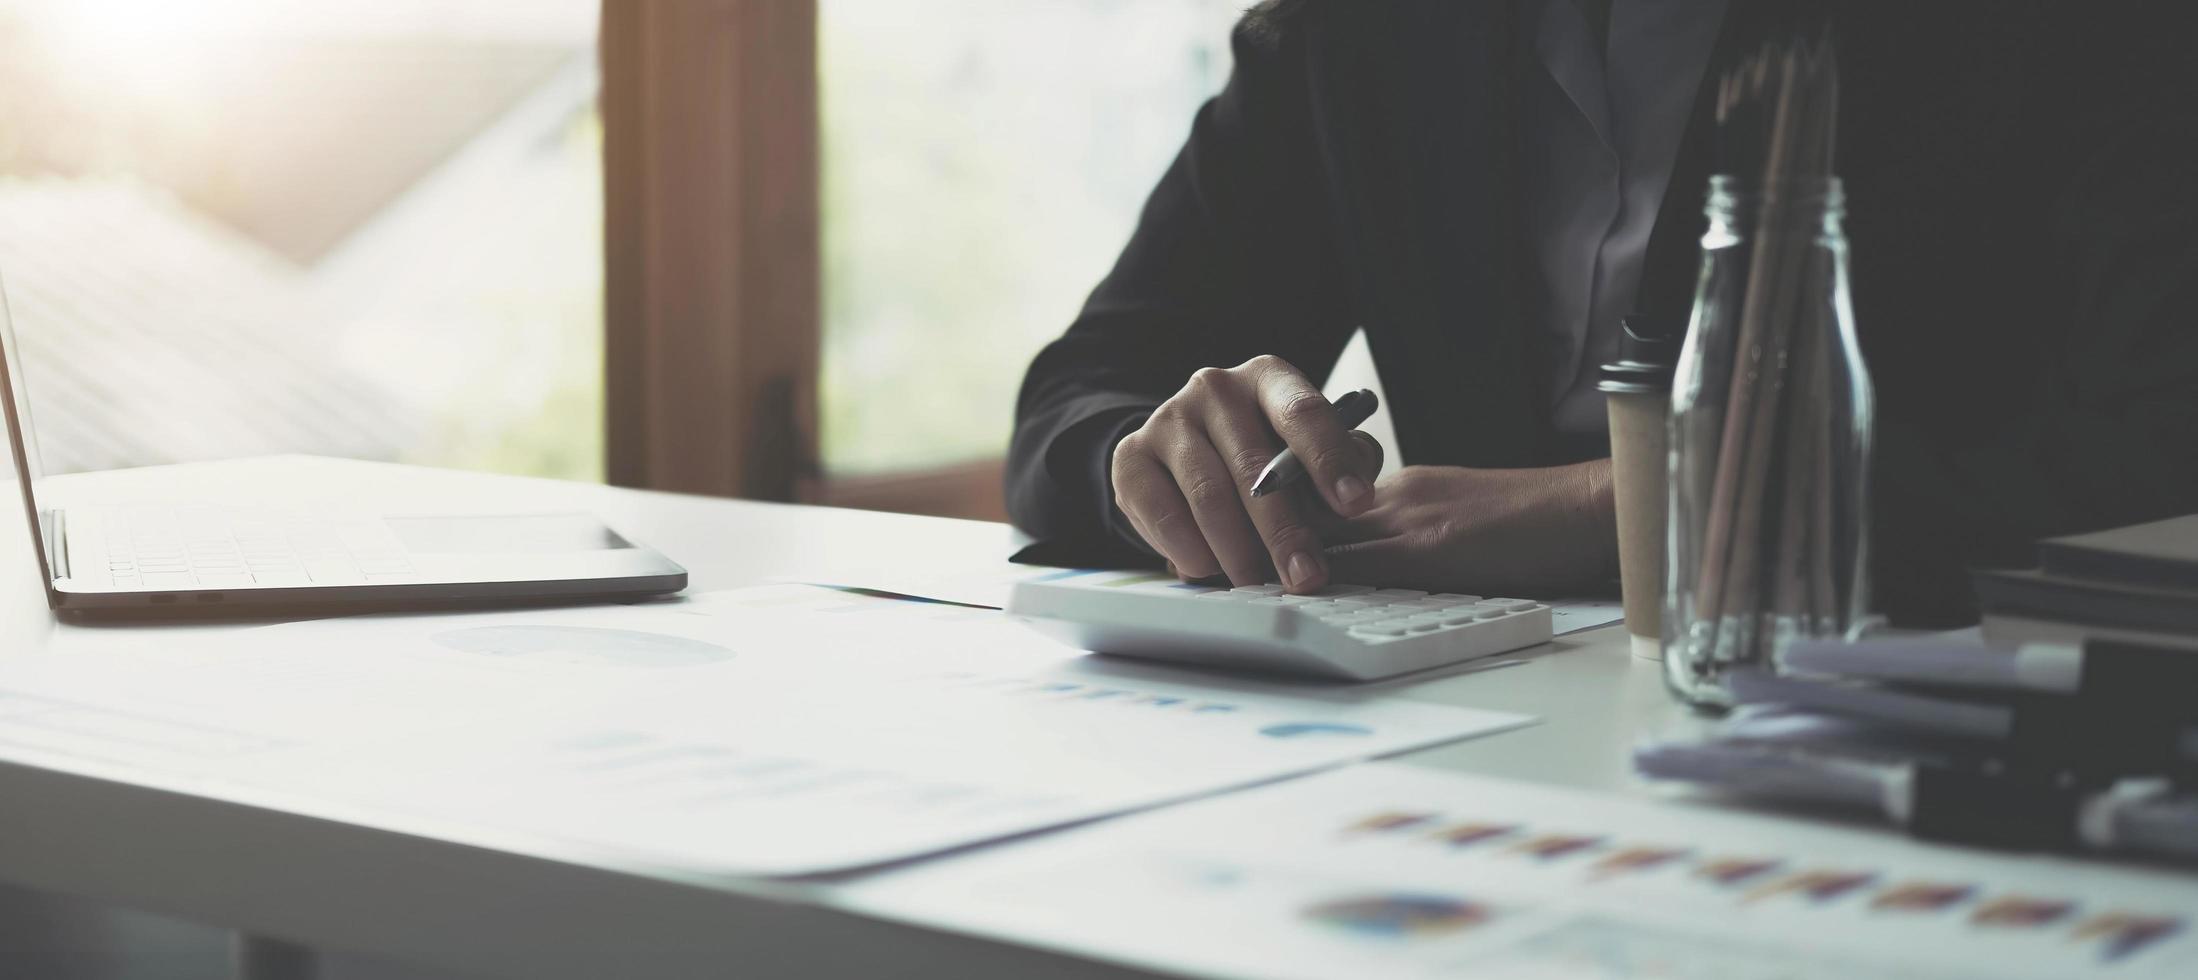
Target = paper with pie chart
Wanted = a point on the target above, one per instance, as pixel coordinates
(787, 730)
(1391, 870)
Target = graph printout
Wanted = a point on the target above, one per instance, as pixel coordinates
(1395, 871)
(786, 730)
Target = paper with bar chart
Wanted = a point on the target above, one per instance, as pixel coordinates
(785, 730)
(1396, 871)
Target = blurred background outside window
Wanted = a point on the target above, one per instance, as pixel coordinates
(373, 228)
(984, 161)
(366, 228)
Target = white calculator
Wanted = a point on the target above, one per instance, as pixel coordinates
(1344, 631)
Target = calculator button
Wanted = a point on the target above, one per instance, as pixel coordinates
(1398, 594)
(1510, 605)
(1454, 598)
(1339, 591)
(1269, 589)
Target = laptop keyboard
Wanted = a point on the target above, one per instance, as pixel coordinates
(185, 549)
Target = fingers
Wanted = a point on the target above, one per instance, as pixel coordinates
(1381, 562)
(1335, 462)
(1370, 450)
(1181, 497)
(1371, 522)
(1334, 530)
(1218, 580)
(1148, 496)
(1217, 503)
(1292, 545)
(1184, 478)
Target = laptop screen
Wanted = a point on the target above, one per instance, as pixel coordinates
(22, 440)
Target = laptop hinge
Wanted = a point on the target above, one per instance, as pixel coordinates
(55, 531)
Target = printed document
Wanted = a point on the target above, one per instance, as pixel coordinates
(1396, 871)
(787, 730)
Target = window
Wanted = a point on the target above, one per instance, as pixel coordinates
(368, 228)
(984, 160)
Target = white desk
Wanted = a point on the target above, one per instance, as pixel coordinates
(448, 907)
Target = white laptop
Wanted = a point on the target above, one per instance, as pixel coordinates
(211, 555)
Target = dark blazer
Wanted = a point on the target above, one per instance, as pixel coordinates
(2023, 213)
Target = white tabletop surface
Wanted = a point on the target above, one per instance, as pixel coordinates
(344, 887)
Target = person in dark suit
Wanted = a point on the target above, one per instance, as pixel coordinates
(1485, 188)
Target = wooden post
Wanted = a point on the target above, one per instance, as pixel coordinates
(711, 291)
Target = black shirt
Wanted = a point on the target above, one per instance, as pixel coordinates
(2025, 265)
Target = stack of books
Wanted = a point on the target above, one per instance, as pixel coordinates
(2072, 724)
(2134, 584)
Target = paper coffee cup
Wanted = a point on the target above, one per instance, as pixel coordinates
(1640, 484)
(1637, 391)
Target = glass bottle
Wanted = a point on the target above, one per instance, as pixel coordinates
(1770, 440)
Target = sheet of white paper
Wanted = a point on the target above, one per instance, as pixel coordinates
(990, 588)
(1574, 615)
(782, 731)
(1396, 871)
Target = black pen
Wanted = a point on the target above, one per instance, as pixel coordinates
(1352, 409)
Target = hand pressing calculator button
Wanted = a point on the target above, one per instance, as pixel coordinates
(1355, 632)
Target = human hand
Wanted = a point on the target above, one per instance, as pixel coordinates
(1184, 478)
(1455, 529)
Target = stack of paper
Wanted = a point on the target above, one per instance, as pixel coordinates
(2137, 584)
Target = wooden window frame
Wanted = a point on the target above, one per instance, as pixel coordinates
(711, 260)
(712, 263)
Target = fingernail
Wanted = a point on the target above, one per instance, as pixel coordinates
(1302, 569)
(1350, 488)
